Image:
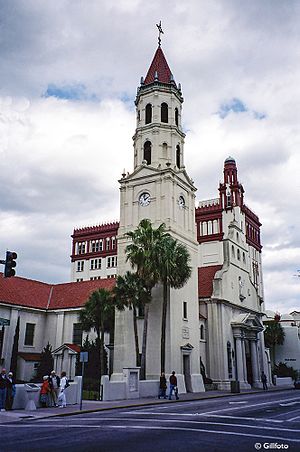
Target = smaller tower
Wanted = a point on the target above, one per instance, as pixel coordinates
(231, 191)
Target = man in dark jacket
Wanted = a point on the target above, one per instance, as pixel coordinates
(173, 386)
(10, 392)
(162, 386)
(3, 389)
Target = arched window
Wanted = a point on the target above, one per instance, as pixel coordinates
(238, 254)
(216, 226)
(148, 113)
(164, 112)
(178, 156)
(176, 116)
(232, 251)
(147, 152)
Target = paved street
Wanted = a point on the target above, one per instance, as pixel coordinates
(220, 424)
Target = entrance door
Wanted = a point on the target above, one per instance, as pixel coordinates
(187, 373)
(248, 363)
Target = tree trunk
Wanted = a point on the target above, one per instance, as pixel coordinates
(163, 328)
(136, 338)
(144, 345)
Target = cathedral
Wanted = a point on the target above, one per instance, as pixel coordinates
(214, 323)
(214, 332)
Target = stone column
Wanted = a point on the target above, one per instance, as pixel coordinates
(239, 359)
(254, 363)
(244, 361)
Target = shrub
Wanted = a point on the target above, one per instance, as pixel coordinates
(282, 370)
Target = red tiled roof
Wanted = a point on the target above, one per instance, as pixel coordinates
(30, 356)
(205, 280)
(75, 294)
(35, 294)
(24, 292)
(159, 64)
(74, 347)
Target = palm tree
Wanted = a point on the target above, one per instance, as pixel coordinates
(174, 272)
(143, 254)
(130, 292)
(274, 335)
(98, 313)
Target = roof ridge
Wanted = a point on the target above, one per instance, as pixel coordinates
(30, 279)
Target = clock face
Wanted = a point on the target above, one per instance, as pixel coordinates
(181, 201)
(144, 199)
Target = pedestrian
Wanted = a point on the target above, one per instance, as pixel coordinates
(44, 392)
(62, 390)
(264, 380)
(11, 391)
(173, 386)
(3, 389)
(54, 384)
(162, 386)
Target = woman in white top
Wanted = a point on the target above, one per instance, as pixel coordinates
(62, 393)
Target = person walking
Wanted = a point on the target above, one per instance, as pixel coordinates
(3, 389)
(11, 391)
(44, 392)
(62, 392)
(264, 380)
(162, 386)
(54, 384)
(173, 386)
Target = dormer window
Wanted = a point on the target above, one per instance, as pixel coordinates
(164, 112)
(148, 114)
(147, 152)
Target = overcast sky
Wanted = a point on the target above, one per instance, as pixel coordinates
(69, 70)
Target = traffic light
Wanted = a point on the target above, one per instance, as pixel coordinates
(10, 263)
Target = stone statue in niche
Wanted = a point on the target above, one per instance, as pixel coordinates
(242, 289)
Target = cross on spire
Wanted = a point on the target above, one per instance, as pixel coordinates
(160, 31)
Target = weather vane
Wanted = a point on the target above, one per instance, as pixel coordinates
(160, 32)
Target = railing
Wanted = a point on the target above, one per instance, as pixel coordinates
(209, 202)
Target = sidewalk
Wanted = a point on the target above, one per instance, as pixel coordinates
(89, 406)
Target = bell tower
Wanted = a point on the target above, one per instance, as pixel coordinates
(160, 190)
(159, 139)
(159, 187)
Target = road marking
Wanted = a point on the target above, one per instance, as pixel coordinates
(176, 429)
(233, 403)
(246, 418)
(289, 403)
(248, 406)
(293, 418)
(219, 410)
(185, 421)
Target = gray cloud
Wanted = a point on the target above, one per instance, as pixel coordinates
(60, 159)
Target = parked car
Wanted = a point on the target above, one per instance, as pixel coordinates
(297, 384)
